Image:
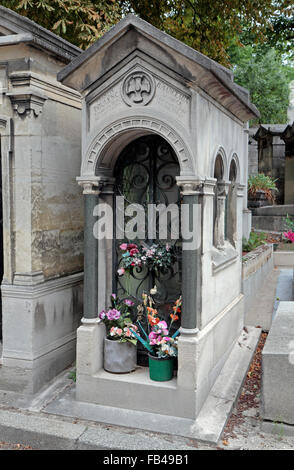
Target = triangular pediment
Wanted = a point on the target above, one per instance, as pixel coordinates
(133, 34)
(15, 28)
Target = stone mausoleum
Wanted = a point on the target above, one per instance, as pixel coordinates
(148, 97)
(41, 206)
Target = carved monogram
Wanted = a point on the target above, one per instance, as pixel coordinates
(138, 89)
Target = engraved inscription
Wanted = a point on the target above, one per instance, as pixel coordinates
(105, 103)
(170, 98)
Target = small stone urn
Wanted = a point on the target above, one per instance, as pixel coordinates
(119, 358)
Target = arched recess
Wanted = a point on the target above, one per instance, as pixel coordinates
(219, 202)
(145, 176)
(234, 178)
(105, 148)
(219, 156)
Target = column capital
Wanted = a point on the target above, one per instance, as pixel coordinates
(223, 188)
(208, 186)
(94, 184)
(190, 185)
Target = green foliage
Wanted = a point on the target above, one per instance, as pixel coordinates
(290, 223)
(256, 239)
(73, 375)
(261, 70)
(209, 26)
(81, 22)
(261, 182)
(251, 35)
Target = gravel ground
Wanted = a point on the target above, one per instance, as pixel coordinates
(243, 430)
(8, 446)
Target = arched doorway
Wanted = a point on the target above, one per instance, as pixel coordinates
(145, 174)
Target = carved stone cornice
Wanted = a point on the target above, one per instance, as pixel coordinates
(27, 103)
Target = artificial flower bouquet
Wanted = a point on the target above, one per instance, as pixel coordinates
(117, 319)
(157, 338)
(158, 257)
(289, 236)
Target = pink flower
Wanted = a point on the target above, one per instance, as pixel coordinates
(124, 246)
(113, 314)
(102, 315)
(289, 235)
(129, 302)
(121, 271)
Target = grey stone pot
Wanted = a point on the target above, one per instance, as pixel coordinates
(119, 358)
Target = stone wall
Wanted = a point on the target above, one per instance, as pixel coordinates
(40, 127)
(256, 267)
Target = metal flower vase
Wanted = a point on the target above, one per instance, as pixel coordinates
(119, 358)
(161, 369)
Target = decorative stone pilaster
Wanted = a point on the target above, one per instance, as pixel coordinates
(191, 253)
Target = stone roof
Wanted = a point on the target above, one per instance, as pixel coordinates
(269, 129)
(15, 28)
(194, 67)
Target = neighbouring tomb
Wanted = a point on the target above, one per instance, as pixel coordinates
(42, 219)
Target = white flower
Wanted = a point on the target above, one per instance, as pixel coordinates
(153, 291)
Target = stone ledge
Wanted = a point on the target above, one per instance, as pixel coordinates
(221, 259)
(284, 258)
(255, 259)
(218, 406)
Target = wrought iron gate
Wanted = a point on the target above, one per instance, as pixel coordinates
(145, 174)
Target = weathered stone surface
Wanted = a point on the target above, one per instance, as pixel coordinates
(42, 205)
(278, 367)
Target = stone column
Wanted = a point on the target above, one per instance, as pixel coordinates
(247, 217)
(91, 333)
(190, 216)
(191, 286)
(97, 191)
(91, 200)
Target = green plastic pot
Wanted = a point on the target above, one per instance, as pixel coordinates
(161, 369)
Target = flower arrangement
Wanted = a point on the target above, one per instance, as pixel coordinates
(117, 319)
(289, 236)
(155, 257)
(158, 340)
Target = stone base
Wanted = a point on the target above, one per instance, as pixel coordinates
(39, 332)
(202, 355)
(208, 425)
(278, 368)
